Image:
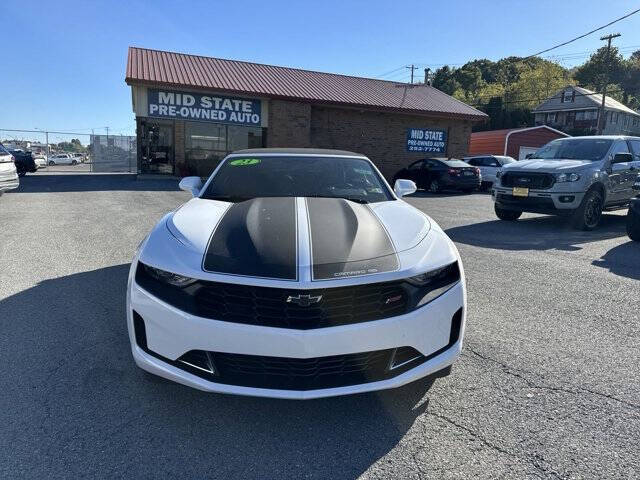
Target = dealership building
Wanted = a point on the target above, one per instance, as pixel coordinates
(192, 110)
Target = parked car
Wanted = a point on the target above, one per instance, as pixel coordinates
(8, 173)
(24, 161)
(577, 177)
(633, 215)
(436, 174)
(296, 273)
(40, 160)
(62, 159)
(80, 157)
(489, 166)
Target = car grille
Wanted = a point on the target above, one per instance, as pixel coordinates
(540, 181)
(286, 373)
(269, 306)
(276, 307)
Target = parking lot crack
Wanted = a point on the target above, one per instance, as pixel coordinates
(535, 460)
(510, 370)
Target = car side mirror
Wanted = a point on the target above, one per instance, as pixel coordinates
(404, 187)
(622, 158)
(528, 156)
(191, 185)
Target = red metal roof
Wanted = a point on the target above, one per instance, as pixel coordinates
(155, 67)
(494, 142)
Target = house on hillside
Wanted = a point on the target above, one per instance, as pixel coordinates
(576, 109)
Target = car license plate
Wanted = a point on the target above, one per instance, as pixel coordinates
(467, 173)
(520, 192)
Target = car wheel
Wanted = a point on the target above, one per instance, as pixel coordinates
(467, 190)
(434, 186)
(633, 225)
(508, 215)
(51, 163)
(22, 173)
(73, 162)
(588, 215)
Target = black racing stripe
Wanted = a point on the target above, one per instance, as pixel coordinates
(256, 238)
(347, 240)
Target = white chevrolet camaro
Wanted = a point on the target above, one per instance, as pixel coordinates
(296, 273)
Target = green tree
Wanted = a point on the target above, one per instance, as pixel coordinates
(470, 80)
(444, 80)
(602, 67)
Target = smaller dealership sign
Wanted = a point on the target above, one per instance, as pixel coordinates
(426, 140)
(207, 107)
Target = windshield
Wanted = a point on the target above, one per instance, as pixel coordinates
(505, 160)
(592, 149)
(242, 178)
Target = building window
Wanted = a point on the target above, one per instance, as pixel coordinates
(568, 96)
(614, 117)
(208, 143)
(581, 115)
(551, 117)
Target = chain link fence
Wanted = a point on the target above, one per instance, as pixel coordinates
(74, 152)
(113, 153)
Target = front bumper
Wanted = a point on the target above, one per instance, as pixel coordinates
(170, 333)
(538, 201)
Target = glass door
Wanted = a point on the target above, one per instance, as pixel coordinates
(157, 148)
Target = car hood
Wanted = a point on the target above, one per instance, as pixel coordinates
(277, 237)
(546, 165)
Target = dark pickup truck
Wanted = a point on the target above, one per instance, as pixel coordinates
(24, 161)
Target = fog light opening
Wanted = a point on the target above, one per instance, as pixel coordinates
(567, 198)
(403, 356)
(199, 360)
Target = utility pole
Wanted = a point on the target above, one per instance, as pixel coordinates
(426, 76)
(412, 68)
(608, 38)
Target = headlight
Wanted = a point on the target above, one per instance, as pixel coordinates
(430, 285)
(435, 276)
(567, 177)
(168, 277)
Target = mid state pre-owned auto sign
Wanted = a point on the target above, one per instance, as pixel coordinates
(426, 140)
(207, 107)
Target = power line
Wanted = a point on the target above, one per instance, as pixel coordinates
(391, 71)
(583, 35)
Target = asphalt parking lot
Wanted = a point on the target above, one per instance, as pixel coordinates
(548, 385)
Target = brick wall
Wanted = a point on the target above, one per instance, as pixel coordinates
(381, 136)
(289, 124)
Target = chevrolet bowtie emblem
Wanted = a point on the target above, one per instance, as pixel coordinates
(304, 300)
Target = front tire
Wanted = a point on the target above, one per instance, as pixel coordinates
(633, 225)
(51, 163)
(507, 215)
(74, 162)
(22, 173)
(434, 186)
(588, 215)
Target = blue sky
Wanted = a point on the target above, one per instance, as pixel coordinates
(64, 62)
